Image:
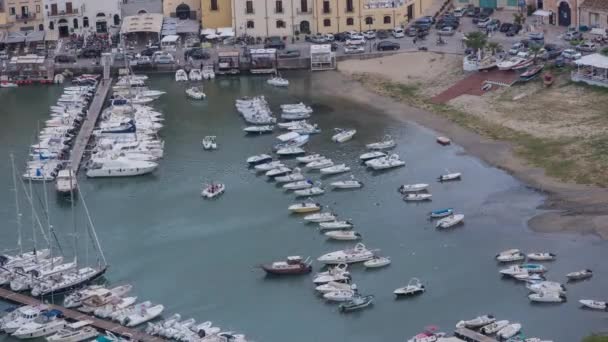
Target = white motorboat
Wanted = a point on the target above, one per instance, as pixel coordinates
(335, 225)
(195, 75)
(335, 169)
(320, 217)
(377, 262)
(294, 176)
(510, 255)
(339, 295)
(541, 256)
(295, 116)
(257, 159)
(343, 135)
(494, 327)
(343, 235)
(347, 184)
(259, 129)
(338, 273)
(386, 144)
(195, 93)
(48, 323)
(313, 191)
(209, 142)
(547, 297)
(115, 306)
(335, 286)
(384, 163)
(75, 332)
(528, 277)
(296, 108)
(119, 315)
(417, 197)
(513, 271)
(305, 207)
(181, 76)
(268, 166)
(405, 188)
(546, 286)
(310, 158)
(101, 297)
(138, 317)
(450, 221)
(22, 316)
(359, 253)
(477, 322)
(76, 298)
(208, 71)
(288, 136)
(278, 81)
(279, 171)
(580, 275)
(299, 141)
(66, 182)
(290, 151)
(213, 190)
(449, 177)
(299, 185)
(508, 331)
(320, 164)
(119, 167)
(414, 287)
(593, 304)
(509, 63)
(372, 155)
(289, 124)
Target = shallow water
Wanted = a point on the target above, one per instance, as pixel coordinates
(199, 257)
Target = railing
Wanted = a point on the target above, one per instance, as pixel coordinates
(349, 10)
(25, 17)
(304, 11)
(63, 13)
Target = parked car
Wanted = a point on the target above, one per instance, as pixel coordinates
(422, 24)
(573, 35)
(571, 54)
(446, 31)
(371, 34)
(516, 48)
(493, 25)
(387, 45)
(352, 49)
(427, 19)
(459, 12)
(334, 46)
(58, 58)
(447, 23)
(355, 39)
(289, 53)
(196, 53)
(515, 28)
(351, 34)
(329, 37)
(340, 37)
(551, 52)
(478, 18)
(483, 22)
(398, 32)
(505, 27)
(144, 60)
(411, 31)
(149, 51)
(524, 54)
(163, 58)
(587, 47)
(382, 34)
(274, 42)
(90, 53)
(318, 39)
(473, 11)
(536, 36)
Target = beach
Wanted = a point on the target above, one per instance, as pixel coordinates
(570, 205)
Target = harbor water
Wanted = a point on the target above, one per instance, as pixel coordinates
(200, 258)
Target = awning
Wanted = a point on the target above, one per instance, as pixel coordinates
(172, 26)
(170, 39)
(542, 13)
(14, 38)
(147, 22)
(320, 48)
(595, 60)
(207, 31)
(34, 36)
(225, 32)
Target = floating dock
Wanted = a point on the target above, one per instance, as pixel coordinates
(80, 144)
(100, 324)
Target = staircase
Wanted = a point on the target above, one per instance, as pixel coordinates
(438, 7)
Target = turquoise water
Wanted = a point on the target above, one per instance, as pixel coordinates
(199, 258)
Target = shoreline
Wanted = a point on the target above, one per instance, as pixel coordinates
(572, 208)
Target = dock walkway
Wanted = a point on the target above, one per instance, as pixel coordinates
(102, 325)
(86, 130)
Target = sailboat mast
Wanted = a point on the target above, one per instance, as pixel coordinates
(18, 213)
(33, 217)
(92, 231)
(48, 219)
(73, 221)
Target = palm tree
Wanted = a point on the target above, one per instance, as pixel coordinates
(519, 18)
(476, 40)
(534, 50)
(494, 47)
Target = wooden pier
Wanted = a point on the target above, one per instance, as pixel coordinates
(82, 140)
(100, 324)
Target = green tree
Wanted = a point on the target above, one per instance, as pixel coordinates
(494, 47)
(535, 50)
(476, 40)
(519, 18)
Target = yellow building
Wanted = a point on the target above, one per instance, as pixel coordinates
(182, 9)
(216, 13)
(23, 15)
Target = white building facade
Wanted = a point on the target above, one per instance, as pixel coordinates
(265, 18)
(102, 15)
(63, 17)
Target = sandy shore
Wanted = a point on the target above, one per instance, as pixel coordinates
(570, 207)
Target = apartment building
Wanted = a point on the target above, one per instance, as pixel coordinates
(64, 17)
(182, 9)
(263, 18)
(594, 13)
(216, 13)
(24, 15)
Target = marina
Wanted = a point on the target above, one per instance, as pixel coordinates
(136, 241)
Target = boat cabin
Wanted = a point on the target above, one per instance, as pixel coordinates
(263, 61)
(228, 62)
(592, 69)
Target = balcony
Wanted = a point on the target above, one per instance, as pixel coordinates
(278, 11)
(326, 11)
(249, 11)
(304, 11)
(349, 10)
(25, 17)
(62, 13)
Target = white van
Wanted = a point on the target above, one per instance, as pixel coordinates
(398, 32)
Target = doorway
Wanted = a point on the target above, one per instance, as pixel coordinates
(564, 14)
(63, 28)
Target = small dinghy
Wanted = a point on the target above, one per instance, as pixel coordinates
(320, 217)
(138, 317)
(335, 169)
(340, 295)
(450, 177)
(290, 151)
(278, 81)
(299, 185)
(181, 76)
(547, 297)
(546, 286)
(310, 158)
(580, 275)
(279, 171)
(443, 141)
(268, 166)
(417, 197)
(343, 235)
(477, 322)
(439, 213)
(493, 328)
(371, 155)
(343, 135)
(195, 75)
(294, 176)
(258, 159)
(195, 93)
(259, 129)
(314, 191)
(593, 304)
(357, 303)
(450, 221)
(405, 188)
(508, 331)
(213, 190)
(386, 144)
(293, 265)
(335, 225)
(209, 143)
(347, 184)
(320, 164)
(377, 262)
(304, 207)
(544, 256)
(510, 255)
(414, 287)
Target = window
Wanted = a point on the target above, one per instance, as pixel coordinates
(326, 8)
(350, 21)
(326, 22)
(75, 23)
(116, 19)
(214, 6)
(249, 7)
(594, 19)
(51, 25)
(349, 6)
(387, 19)
(369, 21)
(250, 24)
(304, 6)
(85, 22)
(11, 10)
(54, 10)
(68, 7)
(280, 24)
(278, 6)
(41, 27)
(37, 8)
